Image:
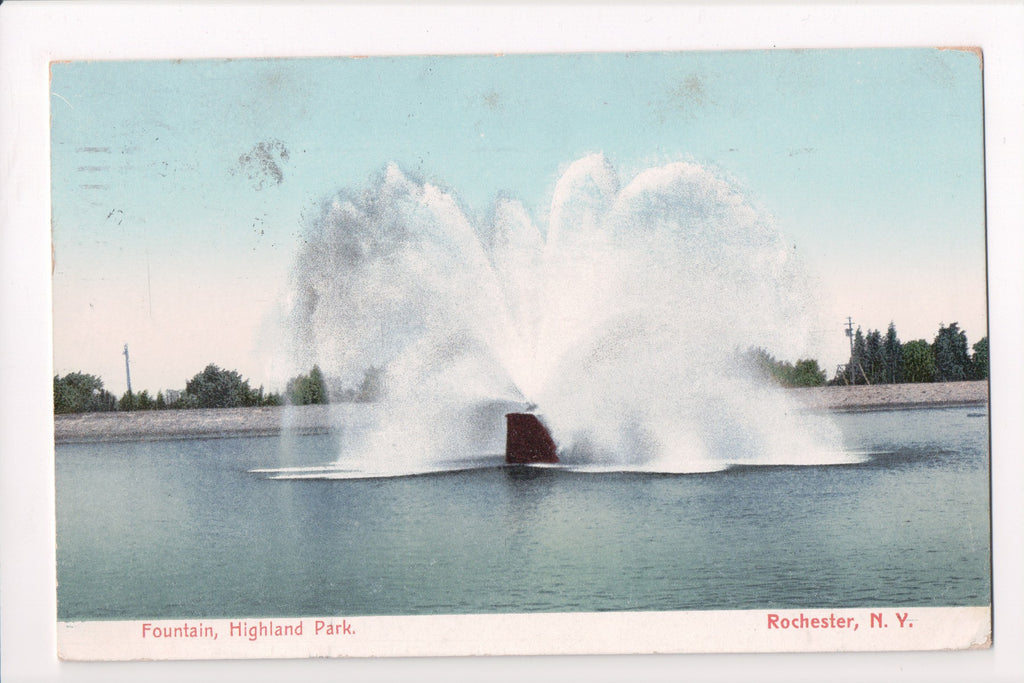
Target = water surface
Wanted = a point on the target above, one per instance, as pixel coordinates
(172, 529)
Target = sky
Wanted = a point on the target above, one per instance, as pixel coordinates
(181, 189)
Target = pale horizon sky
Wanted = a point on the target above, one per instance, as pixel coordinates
(172, 235)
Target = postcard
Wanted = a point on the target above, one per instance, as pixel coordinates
(567, 353)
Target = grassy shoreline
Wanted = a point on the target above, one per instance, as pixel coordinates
(269, 421)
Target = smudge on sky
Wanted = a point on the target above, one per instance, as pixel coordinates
(263, 163)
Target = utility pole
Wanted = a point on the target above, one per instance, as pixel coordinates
(849, 333)
(128, 376)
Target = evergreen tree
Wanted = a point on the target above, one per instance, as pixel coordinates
(979, 360)
(317, 386)
(271, 399)
(144, 401)
(952, 362)
(127, 401)
(307, 389)
(859, 360)
(875, 353)
(893, 355)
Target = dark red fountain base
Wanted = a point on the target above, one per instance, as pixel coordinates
(528, 440)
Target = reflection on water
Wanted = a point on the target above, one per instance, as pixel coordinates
(186, 529)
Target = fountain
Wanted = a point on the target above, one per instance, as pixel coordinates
(528, 441)
(620, 321)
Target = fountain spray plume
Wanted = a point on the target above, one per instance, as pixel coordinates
(395, 277)
(620, 321)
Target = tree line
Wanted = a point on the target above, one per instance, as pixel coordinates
(884, 359)
(805, 373)
(214, 387)
(875, 359)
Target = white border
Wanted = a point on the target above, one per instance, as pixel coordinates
(586, 633)
(31, 34)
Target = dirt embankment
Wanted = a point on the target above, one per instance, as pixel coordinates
(183, 424)
(893, 396)
(212, 423)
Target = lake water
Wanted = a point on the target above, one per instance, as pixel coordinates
(175, 529)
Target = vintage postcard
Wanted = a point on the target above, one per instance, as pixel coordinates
(581, 353)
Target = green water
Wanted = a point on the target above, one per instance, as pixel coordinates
(175, 529)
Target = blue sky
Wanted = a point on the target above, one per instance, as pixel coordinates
(171, 236)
